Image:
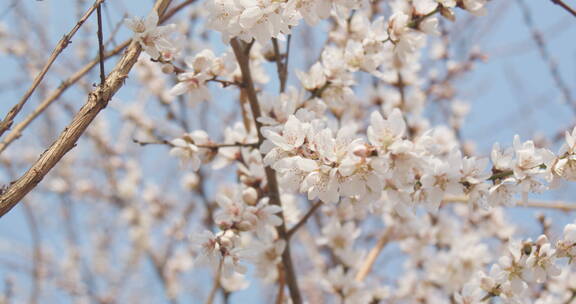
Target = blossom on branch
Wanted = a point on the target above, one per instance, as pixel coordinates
(152, 37)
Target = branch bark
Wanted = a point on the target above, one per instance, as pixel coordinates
(565, 6)
(17, 130)
(62, 44)
(373, 255)
(97, 101)
(100, 45)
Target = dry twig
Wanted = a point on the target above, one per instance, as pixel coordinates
(62, 44)
(565, 6)
(19, 128)
(373, 255)
(547, 57)
(97, 101)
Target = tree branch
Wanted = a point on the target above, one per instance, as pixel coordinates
(303, 220)
(17, 130)
(97, 101)
(100, 45)
(281, 67)
(241, 51)
(563, 206)
(546, 56)
(216, 283)
(62, 44)
(565, 6)
(373, 255)
(212, 146)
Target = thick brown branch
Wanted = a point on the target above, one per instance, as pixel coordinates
(62, 44)
(97, 100)
(17, 130)
(241, 51)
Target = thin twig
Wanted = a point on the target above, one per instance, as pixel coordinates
(546, 56)
(564, 206)
(415, 23)
(114, 28)
(373, 255)
(216, 283)
(205, 146)
(159, 269)
(62, 44)
(35, 237)
(19, 128)
(242, 51)
(287, 59)
(282, 71)
(175, 10)
(97, 101)
(565, 6)
(487, 297)
(101, 46)
(16, 132)
(303, 220)
(225, 83)
(37, 258)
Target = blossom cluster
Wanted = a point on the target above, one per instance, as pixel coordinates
(525, 263)
(330, 165)
(265, 19)
(356, 160)
(242, 214)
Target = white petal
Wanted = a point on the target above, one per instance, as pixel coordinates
(151, 20)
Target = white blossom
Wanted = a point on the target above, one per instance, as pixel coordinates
(153, 38)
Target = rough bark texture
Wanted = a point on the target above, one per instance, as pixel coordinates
(97, 101)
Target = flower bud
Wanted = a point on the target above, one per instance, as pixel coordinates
(487, 284)
(190, 181)
(167, 68)
(225, 242)
(361, 151)
(250, 196)
(244, 226)
(541, 240)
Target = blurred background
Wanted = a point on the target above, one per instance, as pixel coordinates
(72, 235)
